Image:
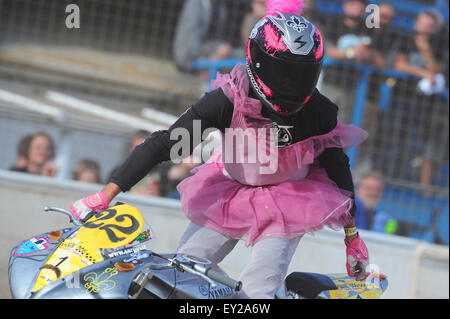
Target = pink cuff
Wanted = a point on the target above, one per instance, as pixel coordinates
(98, 201)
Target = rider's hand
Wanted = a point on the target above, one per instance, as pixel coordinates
(357, 258)
(95, 202)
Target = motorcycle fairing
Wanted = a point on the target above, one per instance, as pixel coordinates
(70, 256)
(350, 288)
(112, 228)
(24, 265)
(334, 286)
(40, 260)
(99, 280)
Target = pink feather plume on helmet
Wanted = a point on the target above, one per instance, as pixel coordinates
(285, 6)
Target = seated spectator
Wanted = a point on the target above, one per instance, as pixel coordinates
(203, 32)
(346, 38)
(423, 55)
(311, 14)
(419, 54)
(384, 41)
(148, 186)
(174, 174)
(22, 154)
(257, 11)
(138, 137)
(367, 216)
(346, 35)
(38, 159)
(88, 171)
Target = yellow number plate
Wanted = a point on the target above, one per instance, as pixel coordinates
(113, 227)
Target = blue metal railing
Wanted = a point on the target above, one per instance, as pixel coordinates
(406, 10)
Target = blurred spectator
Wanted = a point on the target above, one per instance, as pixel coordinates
(206, 30)
(384, 41)
(418, 55)
(367, 216)
(138, 137)
(203, 32)
(174, 174)
(311, 14)
(88, 171)
(346, 35)
(148, 186)
(40, 151)
(423, 55)
(257, 11)
(22, 154)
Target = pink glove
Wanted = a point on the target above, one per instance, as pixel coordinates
(96, 202)
(357, 258)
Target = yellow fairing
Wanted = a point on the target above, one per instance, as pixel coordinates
(112, 228)
(352, 289)
(69, 257)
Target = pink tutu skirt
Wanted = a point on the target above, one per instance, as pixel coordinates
(283, 206)
(287, 210)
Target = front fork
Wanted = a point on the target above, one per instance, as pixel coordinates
(139, 283)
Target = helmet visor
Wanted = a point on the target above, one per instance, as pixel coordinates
(288, 80)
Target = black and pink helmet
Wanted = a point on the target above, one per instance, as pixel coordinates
(284, 59)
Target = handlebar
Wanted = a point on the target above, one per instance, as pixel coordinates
(207, 273)
(72, 217)
(223, 279)
(181, 266)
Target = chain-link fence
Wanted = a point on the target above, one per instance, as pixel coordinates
(388, 75)
(392, 80)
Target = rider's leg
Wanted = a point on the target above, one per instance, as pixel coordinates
(205, 243)
(267, 267)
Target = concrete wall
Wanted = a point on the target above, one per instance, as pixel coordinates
(415, 269)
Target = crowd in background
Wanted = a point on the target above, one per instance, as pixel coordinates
(421, 52)
(35, 154)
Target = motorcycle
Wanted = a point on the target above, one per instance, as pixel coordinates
(106, 256)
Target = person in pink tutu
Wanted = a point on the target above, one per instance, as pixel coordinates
(280, 172)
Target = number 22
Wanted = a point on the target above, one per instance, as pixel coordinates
(110, 213)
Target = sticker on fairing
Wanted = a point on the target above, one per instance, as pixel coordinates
(113, 227)
(350, 288)
(32, 246)
(71, 256)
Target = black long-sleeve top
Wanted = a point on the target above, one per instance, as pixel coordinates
(215, 110)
